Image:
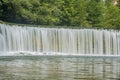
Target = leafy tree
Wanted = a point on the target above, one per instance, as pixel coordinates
(112, 17)
(73, 13)
(85, 13)
(118, 3)
(80, 15)
(95, 10)
(49, 13)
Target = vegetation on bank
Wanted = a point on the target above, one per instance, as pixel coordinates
(87, 13)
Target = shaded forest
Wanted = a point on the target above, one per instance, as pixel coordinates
(82, 13)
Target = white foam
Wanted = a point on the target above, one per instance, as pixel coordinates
(27, 53)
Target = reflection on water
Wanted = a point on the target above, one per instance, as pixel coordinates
(59, 68)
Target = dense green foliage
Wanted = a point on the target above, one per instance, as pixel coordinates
(87, 13)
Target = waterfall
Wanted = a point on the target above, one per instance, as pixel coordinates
(69, 41)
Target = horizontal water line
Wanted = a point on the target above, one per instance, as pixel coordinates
(26, 53)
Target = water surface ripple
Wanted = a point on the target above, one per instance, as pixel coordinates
(59, 68)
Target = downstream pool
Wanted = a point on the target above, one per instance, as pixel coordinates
(59, 68)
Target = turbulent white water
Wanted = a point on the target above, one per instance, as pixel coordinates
(53, 40)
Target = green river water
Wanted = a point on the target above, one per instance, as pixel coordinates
(59, 68)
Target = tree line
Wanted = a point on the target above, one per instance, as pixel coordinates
(82, 13)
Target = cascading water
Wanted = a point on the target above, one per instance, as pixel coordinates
(53, 40)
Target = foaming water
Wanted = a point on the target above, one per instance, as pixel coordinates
(23, 53)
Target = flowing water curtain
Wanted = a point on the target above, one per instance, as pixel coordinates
(77, 41)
